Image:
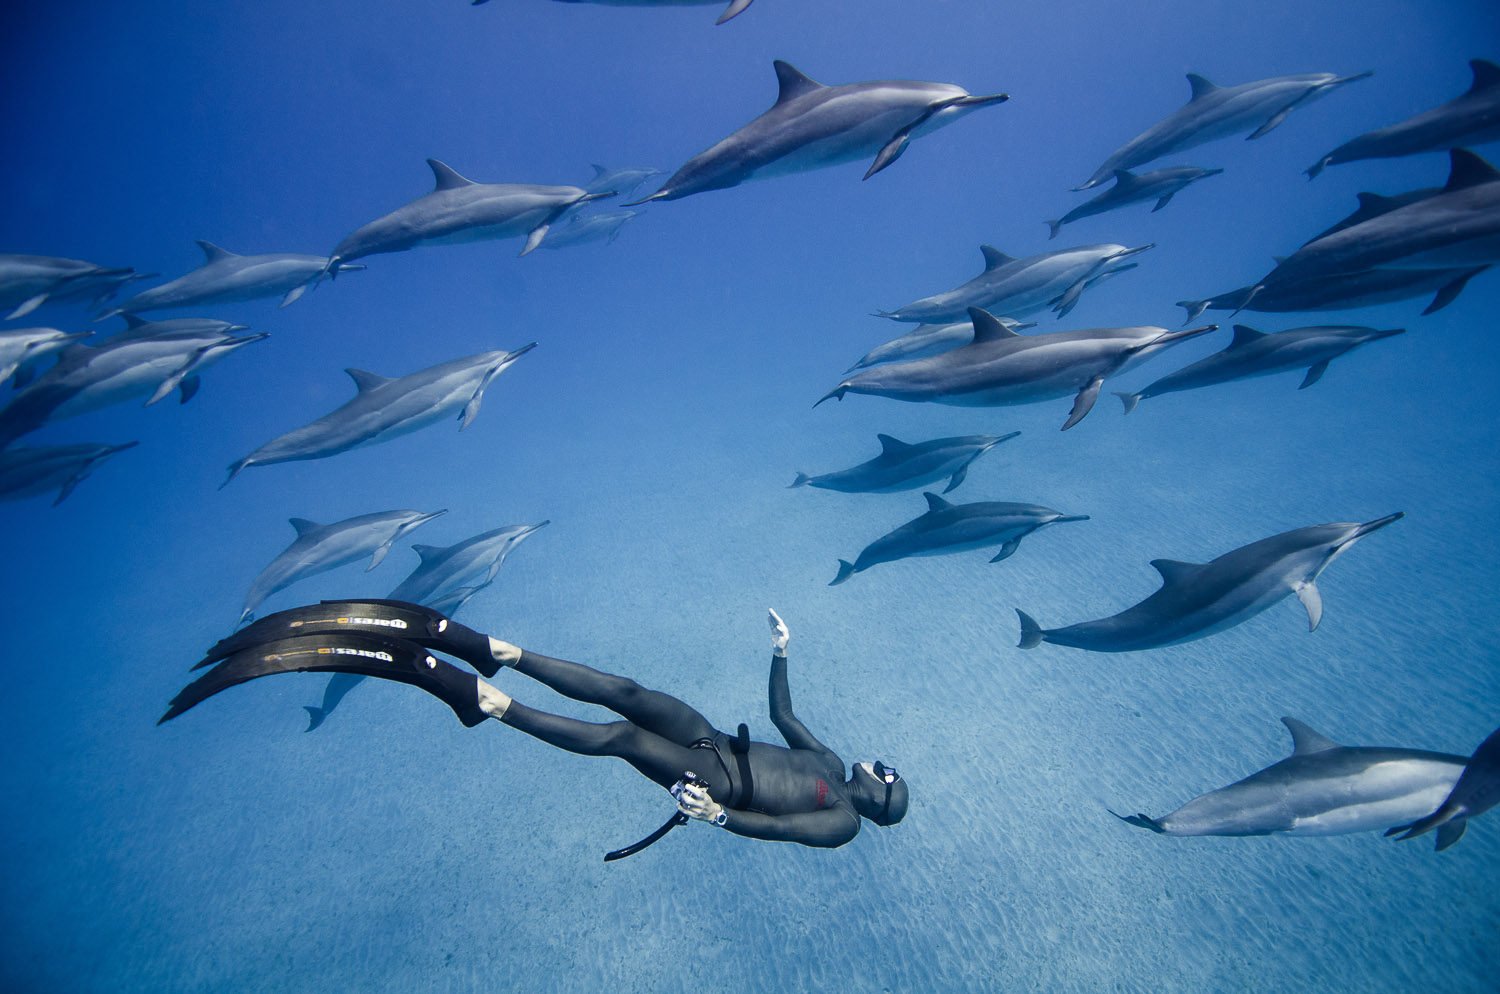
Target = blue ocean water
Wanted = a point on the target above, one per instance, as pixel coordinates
(657, 424)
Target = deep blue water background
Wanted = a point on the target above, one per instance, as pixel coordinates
(657, 424)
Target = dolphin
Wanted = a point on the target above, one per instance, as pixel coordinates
(319, 548)
(1019, 287)
(903, 466)
(460, 210)
(443, 571)
(1197, 600)
(148, 358)
(1341, 291)
(812, 126)
(26, 471)
(1470, 119)
(1457, 228)
(1255, 353)
(735, 6)
(227, 278)
(602, 226)
(1477, 790)
(1322, 788)
(928, 340)
(1215, 112)
(339, 685)
(1000, 367)
(622, 181)
(29, 346)
(948, 528)
(385, 408)
(1159, 185)
(29, 281)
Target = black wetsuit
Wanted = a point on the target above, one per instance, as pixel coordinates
(797, 794)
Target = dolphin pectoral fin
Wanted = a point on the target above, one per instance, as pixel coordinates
(1307, 593)
(188, 388)
(70, 485)
(380, 554)
(535, 238)
(1141, 821)
(27, 306)
(294, 294)
(1274, 120)
(1163, 202)
(1084, 402)
(1450, 833)
(1449, 293)
(735, 7)
(1006, 550)
(958, 478)
(1314, 373)
(1069, 299)
(892, 150)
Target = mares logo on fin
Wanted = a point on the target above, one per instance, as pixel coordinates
(339, 650)
(376, 622)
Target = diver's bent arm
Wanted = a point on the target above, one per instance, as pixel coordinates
(791, 728)
(825, 829)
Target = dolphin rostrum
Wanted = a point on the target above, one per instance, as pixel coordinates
(385, 408)
(812, 126)
(29, 346)
(1159, 185)
(735, 6)
(947, 528)
(1477, 790)
(1197, 600)
(1458, 227)
(1255, 353)
(227, 278)
(905, 466)
(601, 226)
(1019, 287)
(1470, 119)
(319, 548)
(1323, 788)
(29, 281)
(623, 180)
(1000, 367)
(26, 471)
(147, 358)
(460, 210)
(1216, 112)
(927, 340)
(443, 571)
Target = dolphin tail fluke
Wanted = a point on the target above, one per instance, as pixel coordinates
(1128, 399)
(800, 481)
(885, 314)
(234, 470)
(1317, 167)
(846, 570)
(113, 312)
(1141, 821)
(1193, 308)
(315, 717)
(1031, 632)
(735, 7)
(1056, 226)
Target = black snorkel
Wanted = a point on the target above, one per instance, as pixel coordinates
(678, 818)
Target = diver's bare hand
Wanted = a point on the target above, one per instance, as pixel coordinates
(695, 803)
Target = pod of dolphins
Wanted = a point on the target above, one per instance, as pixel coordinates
(968, 350)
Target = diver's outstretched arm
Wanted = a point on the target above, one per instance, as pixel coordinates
(791, 728)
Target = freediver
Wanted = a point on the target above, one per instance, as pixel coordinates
(793, 793)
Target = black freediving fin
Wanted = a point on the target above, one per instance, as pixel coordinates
(374, 616)
(346, 652)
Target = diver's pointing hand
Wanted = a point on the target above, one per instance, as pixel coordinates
(779, 634)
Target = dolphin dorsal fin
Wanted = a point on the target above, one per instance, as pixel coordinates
(994, 258)
(426, 552)
(1305, 741)
(1244, 335)
(1174, 571)
(135, 320)
(935, 503)
(1124, 177)
(1468, 170)
(987, 327)
(1486, 74)
(212, 252)
(446, 176)
(1374, 205)
(793, 82)
(303, 526)
(889, 445)
(598, 169)
(366, 380)
(1202, 85)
